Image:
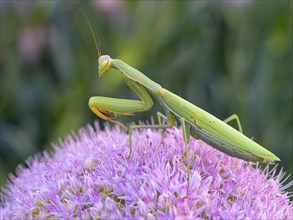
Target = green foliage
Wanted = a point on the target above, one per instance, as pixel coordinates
(226, 57)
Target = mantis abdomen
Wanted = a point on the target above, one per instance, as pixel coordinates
(214, 131)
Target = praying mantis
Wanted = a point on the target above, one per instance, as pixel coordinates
(194, 121)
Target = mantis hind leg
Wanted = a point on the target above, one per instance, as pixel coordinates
(234, 117)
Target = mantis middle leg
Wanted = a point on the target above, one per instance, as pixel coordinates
(170, 118)
(186, 136)
(160, 116)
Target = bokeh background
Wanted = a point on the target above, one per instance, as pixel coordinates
(224, 56)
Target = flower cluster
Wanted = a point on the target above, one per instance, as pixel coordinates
(89, 176)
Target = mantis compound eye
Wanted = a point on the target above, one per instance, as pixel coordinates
(104, 64)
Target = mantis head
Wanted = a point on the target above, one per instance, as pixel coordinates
(104, 64)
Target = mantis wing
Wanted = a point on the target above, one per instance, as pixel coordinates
(222, 145)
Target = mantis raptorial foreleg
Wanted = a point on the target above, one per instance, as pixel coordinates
(109, 108)
(234, 117)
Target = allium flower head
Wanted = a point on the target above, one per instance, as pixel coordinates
(88, 176)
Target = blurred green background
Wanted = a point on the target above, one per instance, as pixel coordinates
(226, 57)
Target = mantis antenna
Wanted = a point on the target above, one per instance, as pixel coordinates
(97, 42)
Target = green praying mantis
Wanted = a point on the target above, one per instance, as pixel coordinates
(195, 121)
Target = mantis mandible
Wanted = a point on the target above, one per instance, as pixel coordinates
(195, 121)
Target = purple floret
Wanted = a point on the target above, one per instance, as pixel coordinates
(89, 176)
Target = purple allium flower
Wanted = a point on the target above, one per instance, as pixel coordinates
(88, 176)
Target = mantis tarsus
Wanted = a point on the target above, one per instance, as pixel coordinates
(195, 121)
